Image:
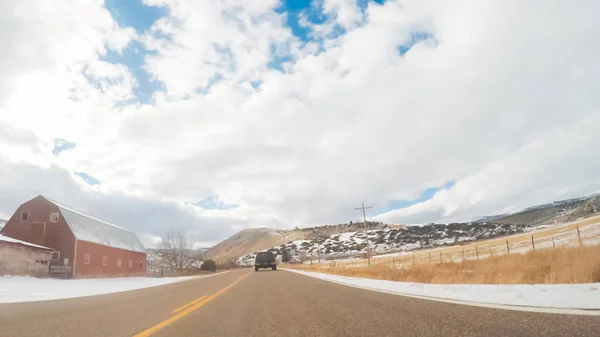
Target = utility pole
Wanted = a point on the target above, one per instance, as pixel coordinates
(363, 208)
(318, 237)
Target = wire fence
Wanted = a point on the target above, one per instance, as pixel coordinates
(586, 233)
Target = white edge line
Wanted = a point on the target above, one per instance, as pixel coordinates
(585, 312)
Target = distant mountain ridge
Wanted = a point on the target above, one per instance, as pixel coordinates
(556, 212)
(257, 239)
(390, 240)
(242, 245)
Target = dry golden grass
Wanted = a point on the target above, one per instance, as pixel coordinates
(564, 265)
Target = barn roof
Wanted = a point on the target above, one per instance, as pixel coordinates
(91, 229)
(23, 243)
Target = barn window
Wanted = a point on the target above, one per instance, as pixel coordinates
(141, 264)
(54, 217)
(104, 260)
(119, 263)
(130, 264)
(86, 258)
(55, 256)
(24, 216)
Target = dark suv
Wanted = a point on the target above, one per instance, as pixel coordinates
(265, 260)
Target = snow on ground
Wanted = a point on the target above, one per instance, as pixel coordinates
(14, 289)
(389, 255)
(558, 296)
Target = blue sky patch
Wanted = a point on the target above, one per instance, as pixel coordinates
(415, 37)
(87, 178)
(426, 195)
(213, 202)
(256, 84)
(312, 11)
(61, 145)
(294, 9)
(133, 13)
(133, 57)
(278, 58)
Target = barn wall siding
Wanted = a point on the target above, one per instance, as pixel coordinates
(95, 268)
(17, 259)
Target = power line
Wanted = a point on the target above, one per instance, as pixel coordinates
(363, 208)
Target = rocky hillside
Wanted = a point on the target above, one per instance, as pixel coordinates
(258, 239)
(389, 240)
(557, 212)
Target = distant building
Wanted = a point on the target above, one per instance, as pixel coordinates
(85, 246)
(23, 258)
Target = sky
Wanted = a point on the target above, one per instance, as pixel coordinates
(217, 116)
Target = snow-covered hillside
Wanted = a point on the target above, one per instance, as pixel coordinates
(387, 240)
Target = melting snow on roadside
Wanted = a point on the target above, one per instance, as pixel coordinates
(14, 289)
(559, 296)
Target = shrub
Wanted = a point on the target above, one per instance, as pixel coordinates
(209, 265)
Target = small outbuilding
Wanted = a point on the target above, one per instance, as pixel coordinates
(23, 258)
(85, 246)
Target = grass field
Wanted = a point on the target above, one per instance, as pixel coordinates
(549, 266)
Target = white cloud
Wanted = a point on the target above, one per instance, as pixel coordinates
(562, 164)
(500, 99)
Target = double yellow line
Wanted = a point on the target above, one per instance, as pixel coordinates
(185, 310)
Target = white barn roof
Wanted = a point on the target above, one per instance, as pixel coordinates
(91, 229)
(24, 243)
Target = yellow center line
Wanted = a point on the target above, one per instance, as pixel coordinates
(187, 305)
(185, 312)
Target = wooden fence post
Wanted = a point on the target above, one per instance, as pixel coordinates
(429, 256)
(553, 243)
(532, 242)
(579, 237)
(441, 259)
(477, 252)
(507, 247)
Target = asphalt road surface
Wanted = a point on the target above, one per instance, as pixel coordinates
(245, 303)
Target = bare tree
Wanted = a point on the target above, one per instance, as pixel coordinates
(177, 249)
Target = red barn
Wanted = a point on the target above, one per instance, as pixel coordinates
(87, 246)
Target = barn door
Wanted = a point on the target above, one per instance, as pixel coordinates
(38, 231)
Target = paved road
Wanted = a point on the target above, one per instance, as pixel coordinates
(244, 303)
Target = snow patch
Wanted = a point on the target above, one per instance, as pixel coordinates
(16, 289)
(558, 296)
